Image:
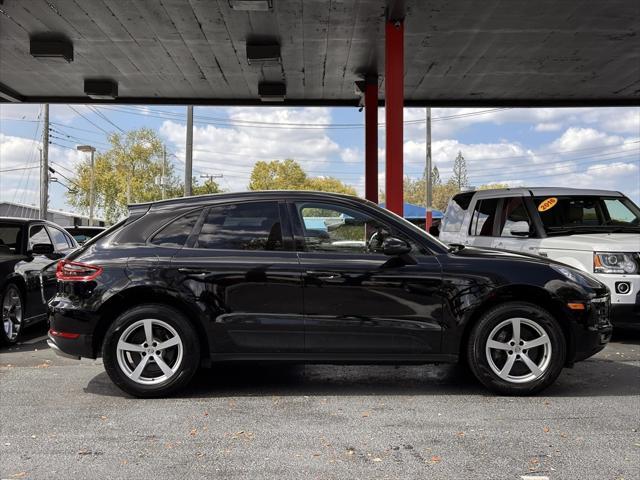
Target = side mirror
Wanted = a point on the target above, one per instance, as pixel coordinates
(519, 229)
(41, 249)
(394, 246)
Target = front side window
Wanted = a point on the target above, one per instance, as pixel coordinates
(456, 210)
(514, 218)
(38, 234)
(483, 219)
(59, 239)
(333, 228)
(175, 234)
(247, 226)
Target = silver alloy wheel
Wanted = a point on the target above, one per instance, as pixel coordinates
(519, 350)
(149, 351)
(11, 313)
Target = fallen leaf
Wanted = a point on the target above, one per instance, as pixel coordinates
(206, 414)
(365, 414)
(19, 475)
(377, 459)
(103, 417)
(193, 432)
(546, 429)
(563, 435)
(435, 459)
(460, 434)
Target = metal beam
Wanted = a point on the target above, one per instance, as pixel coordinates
(394, 98)
(10, 95)
(371, 139)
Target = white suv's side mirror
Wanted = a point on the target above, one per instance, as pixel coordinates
(519, 229)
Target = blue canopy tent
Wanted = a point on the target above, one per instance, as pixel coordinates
(416, 212)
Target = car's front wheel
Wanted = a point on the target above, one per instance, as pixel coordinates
(151, 351)
(516, 349)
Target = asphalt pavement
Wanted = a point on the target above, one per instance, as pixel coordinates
(63, 419)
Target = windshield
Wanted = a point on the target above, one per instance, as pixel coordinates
(565, 214)
(9, 237)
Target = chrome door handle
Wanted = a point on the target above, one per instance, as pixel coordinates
(323, 275)
(193, 271)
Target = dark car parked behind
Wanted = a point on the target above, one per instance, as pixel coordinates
(83, 233)
(316, 278)
(26, 248)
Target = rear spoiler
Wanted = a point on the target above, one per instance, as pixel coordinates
(138, 209)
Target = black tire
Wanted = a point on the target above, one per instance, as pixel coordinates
(518, 377)
(162, 315)
(11, 289)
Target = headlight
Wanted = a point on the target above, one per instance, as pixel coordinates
(614, 263)
(581, 278)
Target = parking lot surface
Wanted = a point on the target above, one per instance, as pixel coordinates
(65, 419)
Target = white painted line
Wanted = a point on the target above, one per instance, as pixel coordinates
(534, 477)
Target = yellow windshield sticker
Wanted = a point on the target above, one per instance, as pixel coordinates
(547, 204)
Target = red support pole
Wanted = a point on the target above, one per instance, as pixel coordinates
(371, 140)
(394, 103)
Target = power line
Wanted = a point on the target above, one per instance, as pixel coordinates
(92, 123)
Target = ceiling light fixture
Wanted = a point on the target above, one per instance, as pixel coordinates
(48, 47)
(272, 92)
(101, 89)
(261, 53)
(251, 5)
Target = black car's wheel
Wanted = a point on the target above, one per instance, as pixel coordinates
(516, 349)
(12, 314)
(151, 351)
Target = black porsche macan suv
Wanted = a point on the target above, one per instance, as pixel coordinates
(313, 278)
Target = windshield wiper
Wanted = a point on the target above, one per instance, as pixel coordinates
(592, 228)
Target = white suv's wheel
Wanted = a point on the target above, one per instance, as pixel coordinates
(151, 351)
(516, 348)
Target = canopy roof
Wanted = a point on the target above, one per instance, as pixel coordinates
(490, 52)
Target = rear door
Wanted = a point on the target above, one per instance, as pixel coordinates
(483, 227)
(239, 267)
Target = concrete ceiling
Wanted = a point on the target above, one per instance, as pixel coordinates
(489, 52)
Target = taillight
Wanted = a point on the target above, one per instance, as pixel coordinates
(76, 271)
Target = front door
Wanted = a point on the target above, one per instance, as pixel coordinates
(240, 268)
(358, 301)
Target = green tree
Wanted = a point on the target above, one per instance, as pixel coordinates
(127, 173)
(460, 171)
(289, 175)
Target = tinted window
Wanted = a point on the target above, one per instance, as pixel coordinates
(457, 208)
(10, 237)
(59, 239)
(248, 226)
(513, 212)
(333, 228)
(483, 218)
(176, 233)
(38, 234)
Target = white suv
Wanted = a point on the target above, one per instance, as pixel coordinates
(597, 231)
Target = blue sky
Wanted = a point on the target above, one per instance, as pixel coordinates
(580, 147)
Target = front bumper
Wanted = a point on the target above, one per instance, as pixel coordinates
(596, 334)
(626, 314)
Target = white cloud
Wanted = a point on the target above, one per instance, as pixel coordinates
(233, 151)
(548, 127)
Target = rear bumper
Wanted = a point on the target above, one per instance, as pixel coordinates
(82, 346)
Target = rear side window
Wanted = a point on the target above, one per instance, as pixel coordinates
(456, 210)
(10, 237)
(247, 226)
(483, 219)
(175, 234)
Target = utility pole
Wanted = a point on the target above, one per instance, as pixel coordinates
(211, 176)
(188, 163)
(44, 166)
(429, 175)
(92, 180)
(164, 161)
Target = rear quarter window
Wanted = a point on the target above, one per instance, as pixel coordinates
(455, 213)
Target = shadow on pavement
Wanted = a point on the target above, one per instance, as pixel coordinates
(591, 378)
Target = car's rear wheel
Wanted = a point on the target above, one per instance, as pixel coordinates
(151, 351)
(12, 314)
(516, 349)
